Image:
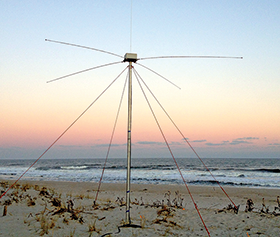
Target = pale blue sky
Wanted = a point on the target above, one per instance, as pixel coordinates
(220, 102)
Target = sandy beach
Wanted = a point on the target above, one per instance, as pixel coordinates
(43, 208)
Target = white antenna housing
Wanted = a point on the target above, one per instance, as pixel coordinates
(130, 57)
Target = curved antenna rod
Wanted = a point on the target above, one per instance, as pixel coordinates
(189, 57)
(75, 73)
(85, 47)
(159, 75)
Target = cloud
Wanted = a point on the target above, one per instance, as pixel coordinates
(274, 144)
(216, 144)
(176, 143)
(87, 146)
(243, 140)
(234, 142)
(246, 138)
(70, 146)
(199, 141)
(150, 143)
(107, 145)
(237, 142)
(12, 148)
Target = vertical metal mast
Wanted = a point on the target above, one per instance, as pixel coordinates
(129, 57)
(129, 145)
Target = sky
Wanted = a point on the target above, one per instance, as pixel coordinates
(226, 108)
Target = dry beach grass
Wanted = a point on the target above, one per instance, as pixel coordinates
(34, 208)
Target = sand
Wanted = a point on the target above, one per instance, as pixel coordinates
(44, 209)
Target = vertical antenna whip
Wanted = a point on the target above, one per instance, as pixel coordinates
(131, 27)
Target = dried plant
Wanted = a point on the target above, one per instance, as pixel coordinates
(15, 193)
(264, 209)
(44, 192)
(120, 201)
(156, 204)
(65, 221)
(31, 202)
(7, 202)
(52, 224)
(136, 202)
(108, 206)
(44, 222)
(25, 187)
(80, 196)
(230, 207)
(17, 186)
(5, 210)
(56, 202)
(70, 205)
(36, 187)
(142, 202)
(143, 221)
(4, 184)
(249, 205)
(165, 211)
(92, 227)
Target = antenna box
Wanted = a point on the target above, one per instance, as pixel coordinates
(130, 57)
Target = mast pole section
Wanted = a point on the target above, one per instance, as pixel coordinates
(129, 122)
(130, 58)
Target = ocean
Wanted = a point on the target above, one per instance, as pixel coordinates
(263, 173)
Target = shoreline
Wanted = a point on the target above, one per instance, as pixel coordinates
(12, 178)
(151, 207)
